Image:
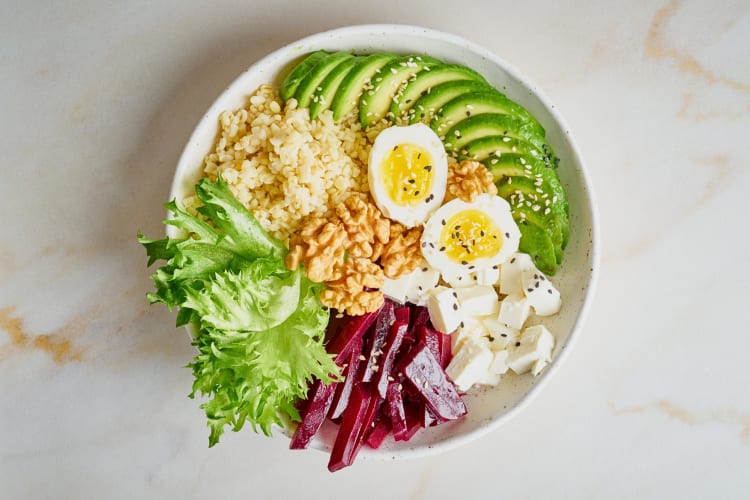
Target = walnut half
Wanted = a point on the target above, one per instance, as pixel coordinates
(467, 180)
(356, 290)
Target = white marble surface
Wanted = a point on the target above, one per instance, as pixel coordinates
(96, 102)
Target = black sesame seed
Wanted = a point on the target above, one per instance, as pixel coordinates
(481, 233)
(536, 285)
(503, 334)
(457, 228)
(424, 244)
(412, 181)
(424, 269)
(418, 155)
(507, 235)
(495, 266)
(416, 193)
(529, 289)
(462, 324)
(395, 147)
(549, 291)
(468, 113)
(465, 263)
(407, 101)
(455, 295)
(443, 221)
(518, 344)
(455, 306)
(512, 260)
(442, 249)
(472, 267)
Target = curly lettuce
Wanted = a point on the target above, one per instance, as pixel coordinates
(260, 326)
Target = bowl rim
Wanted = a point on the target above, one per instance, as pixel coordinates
(589, 206)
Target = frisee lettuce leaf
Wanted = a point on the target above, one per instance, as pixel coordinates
(260, 326)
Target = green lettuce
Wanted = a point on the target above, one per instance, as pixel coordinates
(260, 326)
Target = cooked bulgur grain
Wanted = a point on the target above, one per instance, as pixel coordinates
(283, 166)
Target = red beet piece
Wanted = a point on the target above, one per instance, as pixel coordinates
(430, 338)
(344, 389)
(414, 419)
(348, 331)
(377, 336)
(395, 403)
(402, 314)
(420, 316)
(395, 336)
(424, 374)
(379, 433)
(446, 354)
(345, 447)
(318, 402)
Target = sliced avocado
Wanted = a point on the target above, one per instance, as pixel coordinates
(536, 242)
(491, 124)
(324, 95)
(310, 83)
(348, 94)
(478, 103)
(289, 85)
(374, 103)
(527, 196)
(432, 99)
(427, 79)
(480, 149)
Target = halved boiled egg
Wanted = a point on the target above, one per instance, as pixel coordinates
(408, 171)
(465, 237)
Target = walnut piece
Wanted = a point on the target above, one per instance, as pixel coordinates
(402, 253)
(367, 229)
(467, 180)
(356, 290)
(320, 244)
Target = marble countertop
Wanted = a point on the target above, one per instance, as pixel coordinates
(97, 100)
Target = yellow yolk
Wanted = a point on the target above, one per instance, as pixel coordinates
(407, 174)
(470, 234)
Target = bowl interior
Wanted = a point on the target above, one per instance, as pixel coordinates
(488, 407)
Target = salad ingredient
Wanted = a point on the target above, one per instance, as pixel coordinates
(318, 402)
(470, 363)
(444, 310)
(476, 122)
(543, 296)
(388, 400)
(284, 167)
(510, 273)
(401, 254)
(464, 237)
(534, 351)
(324, 94)
(356, 287)
(407, 172)
(514, 310)
(298, 73)
(478, 300)
(366, 227)
(260, 327)
(307, 91)
(359, 79)
(467, 180)
(320, 245)
(412, 287)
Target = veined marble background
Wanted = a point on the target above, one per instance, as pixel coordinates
(96, 102)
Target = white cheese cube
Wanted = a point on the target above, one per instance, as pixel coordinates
(500, 334)
(510, 273)
(542, 295)
(424, 279)
(468, 328)
(536, 344)
(396, 289)
(469, 364)
(499, 364)
(514, 310)
(539, 365)
(489, 378)
(445, 313)
(478, 301)
(458, 279)
(489, 276)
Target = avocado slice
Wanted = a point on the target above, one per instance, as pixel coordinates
(324, 95)
(478, 103)
(348, 94)
(310, 83)
(375, 103)
(491, 124)
(427, 79)
(289, 85)
(425, 107)
(480, 149)
(536, 242)
(526, 197)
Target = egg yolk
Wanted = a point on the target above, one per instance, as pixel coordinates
(407, 174)
(470, 234)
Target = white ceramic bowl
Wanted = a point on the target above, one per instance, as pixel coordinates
(490, 407)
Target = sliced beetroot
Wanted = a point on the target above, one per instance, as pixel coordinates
(344, 389)
(318, 402)
(396, 410)
(378, 433)
(424, 373)
(414, 419)
(445, 350)
(393, 344)
(402, 314)
(377, 336)
(368, 421)
(420, 316)
(430, 338)
(346, 332)
(346, 445)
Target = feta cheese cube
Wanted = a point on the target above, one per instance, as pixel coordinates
(514, 310)
(539, 365)
(489, 378)
(489, 276)
(395, 289)
(510, 273)
(542, 295)
(500, 334)
(445, 313)
(536, 344)
(468, 328)
(499, 363)
(423, 280)
(458, 279)
(469, 364)
(478, 301)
